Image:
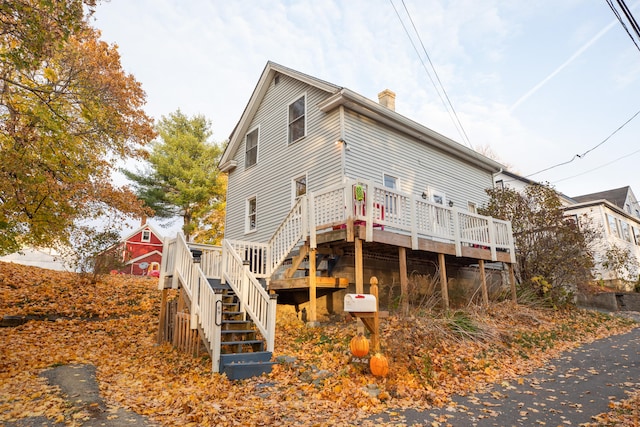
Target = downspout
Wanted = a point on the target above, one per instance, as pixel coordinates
(493, 178)
(343, 145)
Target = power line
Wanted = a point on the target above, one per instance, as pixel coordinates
(630, 19)
(580, 156)
(447, 104)
(597, 167)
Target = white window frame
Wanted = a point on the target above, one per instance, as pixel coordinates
(246, 138)
(612, 221)
(247, 215)
(146, 232)
(294, 186)
(290, 122)
(396, 181)
(625, 232)
(472, 207)
(434, 195)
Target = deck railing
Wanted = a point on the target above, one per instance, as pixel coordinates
(187, 271)
(254, 300)
(286, 237)
(376, 206)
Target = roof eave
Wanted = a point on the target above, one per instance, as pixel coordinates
(381, 114)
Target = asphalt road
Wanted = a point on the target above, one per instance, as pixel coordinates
(571, 390)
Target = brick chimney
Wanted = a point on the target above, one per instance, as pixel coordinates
(387, 98)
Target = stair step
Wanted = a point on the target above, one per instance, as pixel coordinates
(217, 284)
(249, 334)
(227, 347)
(229, 325)
(239, 366)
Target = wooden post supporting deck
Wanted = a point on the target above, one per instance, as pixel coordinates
(375, 336)
(404, 280)
(483, 283)
(512, 281)
(313, 314)
(443, 282)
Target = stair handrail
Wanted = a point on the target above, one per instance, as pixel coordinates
(254, 300)
(293, 228)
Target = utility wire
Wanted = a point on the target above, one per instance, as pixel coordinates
(424, 49)
(629, 17)
(580, 156)
(449, 106)
(597, 167)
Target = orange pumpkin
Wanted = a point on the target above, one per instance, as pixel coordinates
(359, 345)
(379, 365)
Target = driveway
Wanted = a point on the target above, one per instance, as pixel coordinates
(569, 391)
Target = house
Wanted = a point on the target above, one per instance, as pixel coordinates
(616, 214)
(327, 189)
(140, 251)
(38, 257)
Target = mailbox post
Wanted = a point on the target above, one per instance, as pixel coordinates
(365, 308)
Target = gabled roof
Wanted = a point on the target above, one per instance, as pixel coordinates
(270, 70)
(353, 101)
(139, 229)
(616, 196)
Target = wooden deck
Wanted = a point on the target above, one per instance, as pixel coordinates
(393, 238)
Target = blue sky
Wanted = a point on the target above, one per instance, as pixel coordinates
(537, 82)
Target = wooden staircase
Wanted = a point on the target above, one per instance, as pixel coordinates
(243, 353)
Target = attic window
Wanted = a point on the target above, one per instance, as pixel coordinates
(146, 236)
(297, 119)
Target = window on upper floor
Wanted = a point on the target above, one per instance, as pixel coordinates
(251, 148)
(613, 226)
(251, 215)
(625, 232)
(472, 207)
(390, 200)
(297, 119)
(146, 236)
(636, 234)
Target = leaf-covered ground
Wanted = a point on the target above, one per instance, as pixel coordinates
(113, 325)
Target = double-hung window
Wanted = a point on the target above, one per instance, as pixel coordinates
(251, 148)
(146, 236)
(251, 215)
(297, 119)
(613, 226)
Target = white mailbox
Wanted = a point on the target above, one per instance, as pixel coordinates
(359, 303)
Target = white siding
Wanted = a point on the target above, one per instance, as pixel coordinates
(597, 218)
(317, 155)
(375, 149)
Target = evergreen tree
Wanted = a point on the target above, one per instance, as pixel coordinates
(182, 178)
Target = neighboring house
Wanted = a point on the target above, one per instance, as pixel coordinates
(141, 251)
(614, 213)
(43, 258)
(617, 215)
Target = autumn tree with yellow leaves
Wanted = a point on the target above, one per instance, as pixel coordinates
(68, 114)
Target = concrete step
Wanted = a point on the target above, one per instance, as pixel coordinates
(238, 366)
